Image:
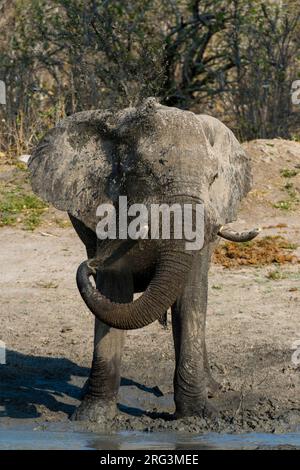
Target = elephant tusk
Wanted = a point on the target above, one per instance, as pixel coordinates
(109, 254)
(234, 236)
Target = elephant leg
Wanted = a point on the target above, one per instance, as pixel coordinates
(102, 387)
(191, 379)
(213, 387)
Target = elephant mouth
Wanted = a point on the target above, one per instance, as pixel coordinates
(172, 268)
(111, 252)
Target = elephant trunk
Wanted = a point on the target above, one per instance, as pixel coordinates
(164, 288)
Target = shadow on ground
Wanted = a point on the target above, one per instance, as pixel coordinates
(32, 386)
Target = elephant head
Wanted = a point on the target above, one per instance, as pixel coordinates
(151, 154)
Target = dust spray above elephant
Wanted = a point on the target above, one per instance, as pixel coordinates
(152, 154)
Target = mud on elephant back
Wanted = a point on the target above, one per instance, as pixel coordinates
(152, 154)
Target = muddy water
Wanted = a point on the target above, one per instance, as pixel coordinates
(58, 437)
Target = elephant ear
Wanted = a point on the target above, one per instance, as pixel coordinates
(71, 165)
(232, 179)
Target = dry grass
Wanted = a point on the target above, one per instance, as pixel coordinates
(266, 250)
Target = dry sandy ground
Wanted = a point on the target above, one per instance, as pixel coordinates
(253, 321)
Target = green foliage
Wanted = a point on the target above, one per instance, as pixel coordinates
(295, 137)
(276, 275)
(287, 173)
(16, 204)
(286, 205)
(293, 200)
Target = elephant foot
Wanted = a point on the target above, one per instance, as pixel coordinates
(202, 409)
(194, 405)
(95, 410)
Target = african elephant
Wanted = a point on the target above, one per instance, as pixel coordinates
(151, 154)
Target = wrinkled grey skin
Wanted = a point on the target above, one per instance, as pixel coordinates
(151, 154)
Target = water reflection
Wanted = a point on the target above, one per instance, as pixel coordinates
(40, 438)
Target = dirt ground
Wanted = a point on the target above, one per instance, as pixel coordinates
(253, 323)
